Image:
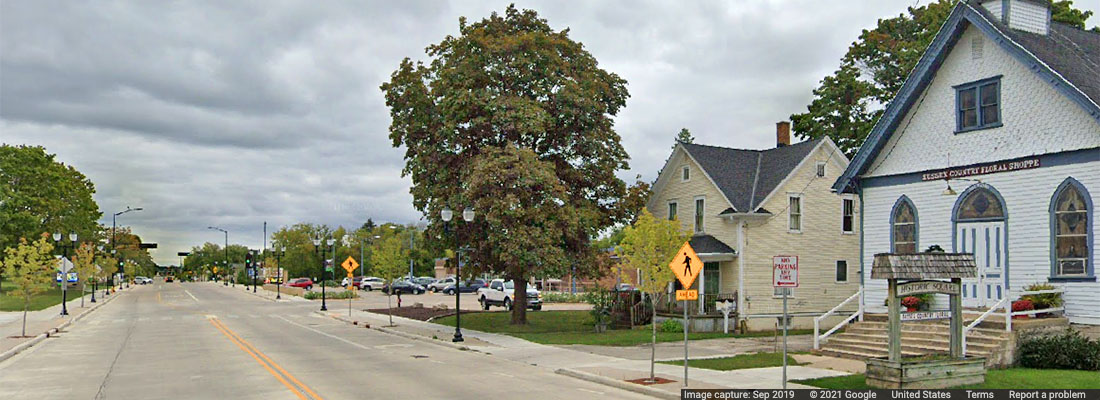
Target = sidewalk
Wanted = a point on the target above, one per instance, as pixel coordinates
(43, 323)
(598, 368)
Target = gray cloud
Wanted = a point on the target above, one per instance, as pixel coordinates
(235, 113)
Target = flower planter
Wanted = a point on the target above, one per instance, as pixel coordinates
(1021, 316)
(925, 374)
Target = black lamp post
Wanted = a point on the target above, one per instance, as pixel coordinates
(278, 250)
(57, 237)
(467, 215)
(317, 241)
(226, 251)
(95, 279)
(113, 226)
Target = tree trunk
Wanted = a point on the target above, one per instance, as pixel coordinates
(519, 302)
(25, 305)
(653, 344)
(389, 306)
(81, 295)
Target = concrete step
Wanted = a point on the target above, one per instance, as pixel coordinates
(934, 341)
(862, 348)
(919, 348)
(943, 328)
(975, 337)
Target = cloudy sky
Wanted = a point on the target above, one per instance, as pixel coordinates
(235, 113)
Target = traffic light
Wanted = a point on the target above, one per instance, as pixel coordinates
(120, 268)
(248, 259)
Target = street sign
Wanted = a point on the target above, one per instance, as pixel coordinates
(686, 265)
(925, 315)
(785, 271)
(687, 295)
(350, 265)
(328, 265)
(64, 265)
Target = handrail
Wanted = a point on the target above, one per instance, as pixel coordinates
(1006, 303)
(818, 319)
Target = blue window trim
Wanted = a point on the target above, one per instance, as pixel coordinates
(977, 85)
(916, 221)
(955, 223)
(1090, 272)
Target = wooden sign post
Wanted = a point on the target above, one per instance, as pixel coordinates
(911, 274)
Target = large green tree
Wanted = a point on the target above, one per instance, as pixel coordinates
(848, 103)
(509, 79)
(520, 198)
(40, 194)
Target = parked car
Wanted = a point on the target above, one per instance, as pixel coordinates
(470, 286)
(441, 284)
(354, 282)
(423, 281)
(169, 278)
(371, 283)
(141, 280)
(402, 287)
(301, 283)
(501, 293)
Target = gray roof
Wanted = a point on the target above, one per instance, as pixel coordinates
(932, 265)
(1071, 52)
(738, 171)
(707, 244)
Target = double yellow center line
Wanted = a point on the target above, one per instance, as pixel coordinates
(278, 372)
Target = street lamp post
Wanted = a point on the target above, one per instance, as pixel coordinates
(317, 242)
(226, 251)
(57, 237)
(467, 215)
(114, 225)
(95, 279)
(278, 250)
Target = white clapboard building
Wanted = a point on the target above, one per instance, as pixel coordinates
(991, 147)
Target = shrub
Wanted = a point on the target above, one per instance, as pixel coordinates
(1067, 350)
(563, 297)
(336, 294)
(1042, 301)
(601, 301)
(911, 302)
(671, 325)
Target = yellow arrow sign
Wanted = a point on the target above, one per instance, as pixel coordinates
(686, 265)
(350, 265)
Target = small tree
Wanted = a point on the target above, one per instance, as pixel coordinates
(649, 245)
(30, 266)
(108, 266)
(84, 263)
(390, 260)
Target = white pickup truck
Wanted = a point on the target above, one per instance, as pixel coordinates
(501, 293)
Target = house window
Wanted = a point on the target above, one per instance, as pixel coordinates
(699, 203)
(978, 104)
(903, 227)
(842, 271)
(1072, 227)
(671, 211)
(685, 173)
(794, 213)
(847, 212)
(820, 169)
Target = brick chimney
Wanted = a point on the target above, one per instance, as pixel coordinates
(782, 134)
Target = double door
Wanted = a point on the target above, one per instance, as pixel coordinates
(988, 242)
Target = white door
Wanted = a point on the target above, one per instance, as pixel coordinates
(987, 241)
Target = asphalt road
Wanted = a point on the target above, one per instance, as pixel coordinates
(201, 341)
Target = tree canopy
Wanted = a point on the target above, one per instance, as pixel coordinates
(848, 103)
(510, 80)
(39, 194)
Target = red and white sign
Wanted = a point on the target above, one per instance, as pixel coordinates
(785, 271)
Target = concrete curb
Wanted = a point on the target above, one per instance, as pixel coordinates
(26, 345)
(603, 380)
(404, 334)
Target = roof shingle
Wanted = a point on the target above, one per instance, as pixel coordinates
(736, 171)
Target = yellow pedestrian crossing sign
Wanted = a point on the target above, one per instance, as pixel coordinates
(686, 265)
(350, 265)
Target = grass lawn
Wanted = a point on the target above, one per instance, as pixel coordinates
(41, 301)
(742, 361)
(574, 327)
(1012, 378)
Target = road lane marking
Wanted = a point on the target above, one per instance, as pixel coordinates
(214, 321)
(326, 334)
(504, 375)
(192, 296)
(273, 363)
(591, 391)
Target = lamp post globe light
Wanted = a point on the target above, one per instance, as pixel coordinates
(58, 237)
(95, 279)
(114, 225)
(226, 248)
(317, 241)
(467, 215)
(278, 250)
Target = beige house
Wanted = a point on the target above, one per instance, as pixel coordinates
(746, 206)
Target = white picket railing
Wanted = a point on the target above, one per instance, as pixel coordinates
(1006, 304)
(817, 320)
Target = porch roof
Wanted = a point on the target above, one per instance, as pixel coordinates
(932, 265)
(707, 244)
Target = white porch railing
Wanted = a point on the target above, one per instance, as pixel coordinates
(1006, 304)
(817, 320)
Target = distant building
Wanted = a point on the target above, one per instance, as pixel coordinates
(991, 147)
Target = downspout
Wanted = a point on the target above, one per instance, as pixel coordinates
(741, 270)
(862, 278)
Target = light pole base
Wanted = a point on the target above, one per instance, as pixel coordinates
(323, 308)
(458, 337)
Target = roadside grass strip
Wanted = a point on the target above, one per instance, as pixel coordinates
(267, 363)
(740, 361)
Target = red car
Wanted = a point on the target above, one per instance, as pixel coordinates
(302, 283)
